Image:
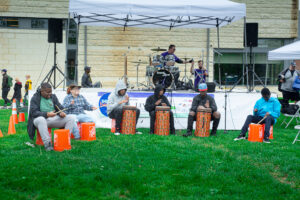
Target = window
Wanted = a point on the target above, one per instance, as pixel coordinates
(39, 23)
(9, 22)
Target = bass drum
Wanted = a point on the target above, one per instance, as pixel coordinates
(163, 77)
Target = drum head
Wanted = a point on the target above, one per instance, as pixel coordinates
(163, 77)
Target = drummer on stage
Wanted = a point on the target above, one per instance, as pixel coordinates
(116, 101)
(158, 99)
(200, 74)
(171, 51)
(203, 100)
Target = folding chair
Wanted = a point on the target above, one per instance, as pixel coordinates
(296, 115)
(296, 138)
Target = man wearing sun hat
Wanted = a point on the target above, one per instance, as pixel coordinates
(203, 100)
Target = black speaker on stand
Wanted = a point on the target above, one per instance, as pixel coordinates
(250, 40)
(55, 30)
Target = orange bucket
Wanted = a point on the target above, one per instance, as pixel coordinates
(256, 133)
(38, 140)
(113, 126)
(88, 131)
(62, 140)
(162, 120)
(271, 132)
(21, 117)
(203, 122)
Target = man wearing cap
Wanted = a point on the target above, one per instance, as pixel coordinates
(287, 78)
(203, 100)
(5, 87)
(86, 80)
(76, 104)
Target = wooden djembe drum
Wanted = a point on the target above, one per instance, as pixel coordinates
(162, 120)
(203, 122)
(128, 120)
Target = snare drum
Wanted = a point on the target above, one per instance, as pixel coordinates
(157, 61)
(150, 70)
(169, 60)
(128, 120)
(163, 77)
(203, 122)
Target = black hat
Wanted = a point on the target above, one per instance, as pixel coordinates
(87, 68)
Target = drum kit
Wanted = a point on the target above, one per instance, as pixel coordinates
(161, 70)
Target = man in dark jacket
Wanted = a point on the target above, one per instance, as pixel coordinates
(158, 99)
(86, 80)
(203, 100)
(5, 87)
(43, 115)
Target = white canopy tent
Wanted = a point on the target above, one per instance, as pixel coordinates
(287, 52)
(157, 13)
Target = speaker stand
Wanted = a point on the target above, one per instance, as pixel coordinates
(251, 86)
(52, 72)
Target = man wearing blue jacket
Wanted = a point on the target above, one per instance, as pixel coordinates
(266, 106)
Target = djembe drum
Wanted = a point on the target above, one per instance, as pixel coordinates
(128, 120)
(162, 120)
(203, 122)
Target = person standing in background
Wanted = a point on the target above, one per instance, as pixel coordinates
(6, 84)
(28, 86)
(17, 91)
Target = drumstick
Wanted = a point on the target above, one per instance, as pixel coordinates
(262, 119)
(61, 110)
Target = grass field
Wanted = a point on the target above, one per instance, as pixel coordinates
(150, 167)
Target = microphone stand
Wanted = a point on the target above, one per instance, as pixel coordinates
(225, 130)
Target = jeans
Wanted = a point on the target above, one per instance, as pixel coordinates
(152, 121)
(117, 113)
(79, 118)
(255, 119)
(42, 124)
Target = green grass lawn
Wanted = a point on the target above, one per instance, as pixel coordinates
(150, 167)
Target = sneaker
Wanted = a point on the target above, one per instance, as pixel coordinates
(117, 133)
(266, 140)
(240, 137)
(189, 133)
(138, 133)
(48, 147)
(213, 133)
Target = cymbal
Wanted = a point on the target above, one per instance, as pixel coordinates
(139, 62)
(158, 49)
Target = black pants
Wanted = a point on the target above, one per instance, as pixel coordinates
(294, 96)
(5, 92)
(117, 114)
(152, 121)
(255, 119)
(191, 120)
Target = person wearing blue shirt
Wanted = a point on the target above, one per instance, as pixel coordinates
(268, 107)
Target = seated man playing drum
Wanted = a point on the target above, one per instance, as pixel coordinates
(158, 99)
(266, 108)
(46, 112)
(76, 104)
(116, 101)
(203, 101)
(200, 73)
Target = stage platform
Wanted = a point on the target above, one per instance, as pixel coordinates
(240, 103)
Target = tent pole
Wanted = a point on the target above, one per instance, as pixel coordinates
(85, 45)
(267, 68)
(67, 44)
(76, 63)
(219, 64)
